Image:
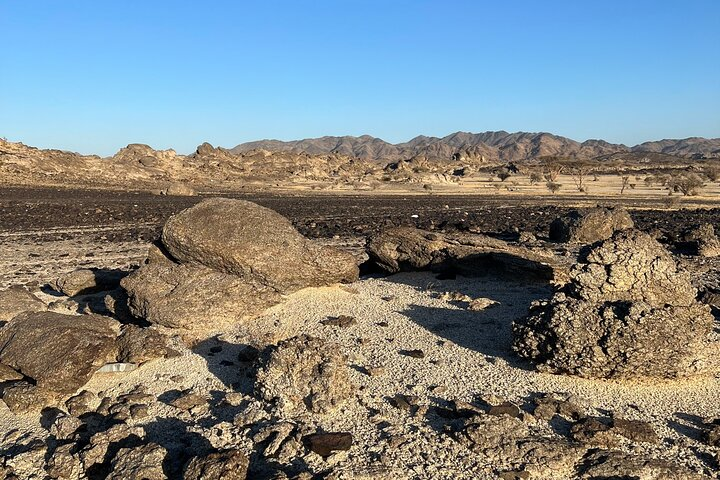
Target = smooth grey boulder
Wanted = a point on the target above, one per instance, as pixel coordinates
(195, 299)
(247, 240)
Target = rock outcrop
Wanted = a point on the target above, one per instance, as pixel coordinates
(224, 261)
(407, 248)
(304, 374)
(590, 227)
(627, 312)
(73, 348)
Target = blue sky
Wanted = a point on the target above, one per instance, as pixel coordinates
(93, 76)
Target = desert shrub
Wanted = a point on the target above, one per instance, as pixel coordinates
(687, 183)
(535, 177)
(712, 172)
(503, 176)
(554, 187)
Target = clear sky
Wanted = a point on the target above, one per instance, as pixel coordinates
(92, 76)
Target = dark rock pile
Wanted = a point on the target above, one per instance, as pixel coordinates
(627, 312)
(408, 249)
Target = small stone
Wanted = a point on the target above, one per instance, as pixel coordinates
(404, 402)
(375, 371)
(417, 353)
(234, 399)
(438, 389)
(325, 443)
(635, 430)
(225, 465)
(81, 403)
(505, 408)
(8, 374)
(343, 321)
(65, 426)
(479, 304)
(188, 400)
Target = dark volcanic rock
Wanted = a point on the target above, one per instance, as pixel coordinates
(704, 240)
(614, 464)
(304, 373)
(627, 312)
(59, 352)
(325, 443)
(225, 465)
(406, 248)
(590, 227)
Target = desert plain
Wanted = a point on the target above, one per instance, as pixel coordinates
(273, 314)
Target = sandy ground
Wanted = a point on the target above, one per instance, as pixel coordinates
(467, 353)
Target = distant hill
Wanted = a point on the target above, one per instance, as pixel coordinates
(492, 146)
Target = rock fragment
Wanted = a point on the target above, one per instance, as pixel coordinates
(324, 444)
(590, 227)
(304, 373)
(408, 249)
(144, 462)
(73, 348)
(704, 240)
(84, 281)
(138, 345)
(224, 465)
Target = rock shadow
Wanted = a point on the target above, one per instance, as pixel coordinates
(487, 331)
(231, 363)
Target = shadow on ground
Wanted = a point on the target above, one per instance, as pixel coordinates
(487, 331)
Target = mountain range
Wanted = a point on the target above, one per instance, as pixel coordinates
(491, 146)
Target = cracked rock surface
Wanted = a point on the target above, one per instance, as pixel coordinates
(627, 312)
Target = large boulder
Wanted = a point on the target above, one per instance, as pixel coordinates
(17, 299)
(224, 261)
(179, 189)
(407, 249)
(58, 352)
(590, 227)
(304, 373)
(244, 239)
(627, 312)
(194, 297)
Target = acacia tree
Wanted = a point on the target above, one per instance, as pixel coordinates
(552, 167)
(687, 183)
(579, 171)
